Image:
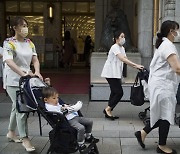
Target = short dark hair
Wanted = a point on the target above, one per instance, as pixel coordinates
(48, 92)
(164, 31)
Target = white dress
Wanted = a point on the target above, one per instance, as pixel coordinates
(162, 84)
(113, 66)
(1, 59)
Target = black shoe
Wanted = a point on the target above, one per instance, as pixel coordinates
(107, 116)
(82, 146)
(158, 150)
(115, 117)
(91, 139)
(139, 139)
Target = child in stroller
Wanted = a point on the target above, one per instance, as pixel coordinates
(63, 137)
(82, 125)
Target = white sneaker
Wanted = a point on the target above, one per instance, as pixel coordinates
(75, 107)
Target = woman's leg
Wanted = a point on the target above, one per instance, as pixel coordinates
(17, 118)
(141, 135)
(116, 93)
(163, 133)
(20, 119)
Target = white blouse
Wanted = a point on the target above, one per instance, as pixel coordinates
(21, 53)
(113, 66)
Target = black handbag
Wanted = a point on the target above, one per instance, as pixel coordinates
(137, 93)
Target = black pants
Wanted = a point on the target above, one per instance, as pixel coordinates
(163, 130)
(116, 91)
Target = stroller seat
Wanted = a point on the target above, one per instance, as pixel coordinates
(62, 136)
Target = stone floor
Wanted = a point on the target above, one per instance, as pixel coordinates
(116, 137)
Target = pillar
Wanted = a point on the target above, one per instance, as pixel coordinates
(2, 22)
(102, 7)
(145, 30)
(53, 34)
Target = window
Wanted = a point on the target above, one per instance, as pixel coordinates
(11, 6)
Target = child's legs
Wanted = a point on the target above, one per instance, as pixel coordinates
(79, 127)
(87, 123)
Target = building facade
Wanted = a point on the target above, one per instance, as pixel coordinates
(87, 17)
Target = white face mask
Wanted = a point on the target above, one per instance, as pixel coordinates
(24, 31)
(177, 34)
(122, 41)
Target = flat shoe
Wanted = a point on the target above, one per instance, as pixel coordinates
(115, 117)
(28, 149)
(139, 139)
(107, 116)
(158, 150)
(14, 139)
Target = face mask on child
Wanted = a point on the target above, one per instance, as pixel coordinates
(24, 31)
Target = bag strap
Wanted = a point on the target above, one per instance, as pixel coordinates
(137, 79)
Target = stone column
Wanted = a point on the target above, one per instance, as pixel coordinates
(171, 11)
(102, 7)
(52, 33)
(145, 30)
(2, 22)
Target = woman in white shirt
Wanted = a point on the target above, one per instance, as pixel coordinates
(19, 53)
(1, 55)
(112, 71)
(162, 84)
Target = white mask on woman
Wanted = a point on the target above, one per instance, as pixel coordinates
(24, 31)
(122, 41)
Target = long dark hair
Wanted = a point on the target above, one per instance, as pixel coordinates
(164, 31)
(15, 22)
(116, 35)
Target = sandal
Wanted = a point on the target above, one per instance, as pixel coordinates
(27, 145)
(13, 139)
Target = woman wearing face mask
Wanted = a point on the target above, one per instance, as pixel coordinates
(112, 71)
(162, 85)
(19, 53)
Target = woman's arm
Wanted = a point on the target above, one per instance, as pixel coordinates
(174, 62)
(36, 65)
(14, 67)
(128, 62)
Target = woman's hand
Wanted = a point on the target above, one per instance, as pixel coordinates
(39, 75)
(47, 81)
(140, 67)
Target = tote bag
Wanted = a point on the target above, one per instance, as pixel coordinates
(137, 93)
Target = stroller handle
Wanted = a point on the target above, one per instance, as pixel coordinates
(24, 78)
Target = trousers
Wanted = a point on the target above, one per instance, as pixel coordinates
(17, 119)
(163, 130)
(82, 125)
(116, 92)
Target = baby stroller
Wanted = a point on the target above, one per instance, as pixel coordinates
(62, 136)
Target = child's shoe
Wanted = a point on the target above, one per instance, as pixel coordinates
(91, 139)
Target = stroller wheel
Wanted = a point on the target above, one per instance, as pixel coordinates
(177, 120)
(146, 121)
(142, 115)
(92, 152)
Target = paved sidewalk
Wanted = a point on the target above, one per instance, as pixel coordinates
(116, 137)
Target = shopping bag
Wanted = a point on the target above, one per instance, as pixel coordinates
(137, 93)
